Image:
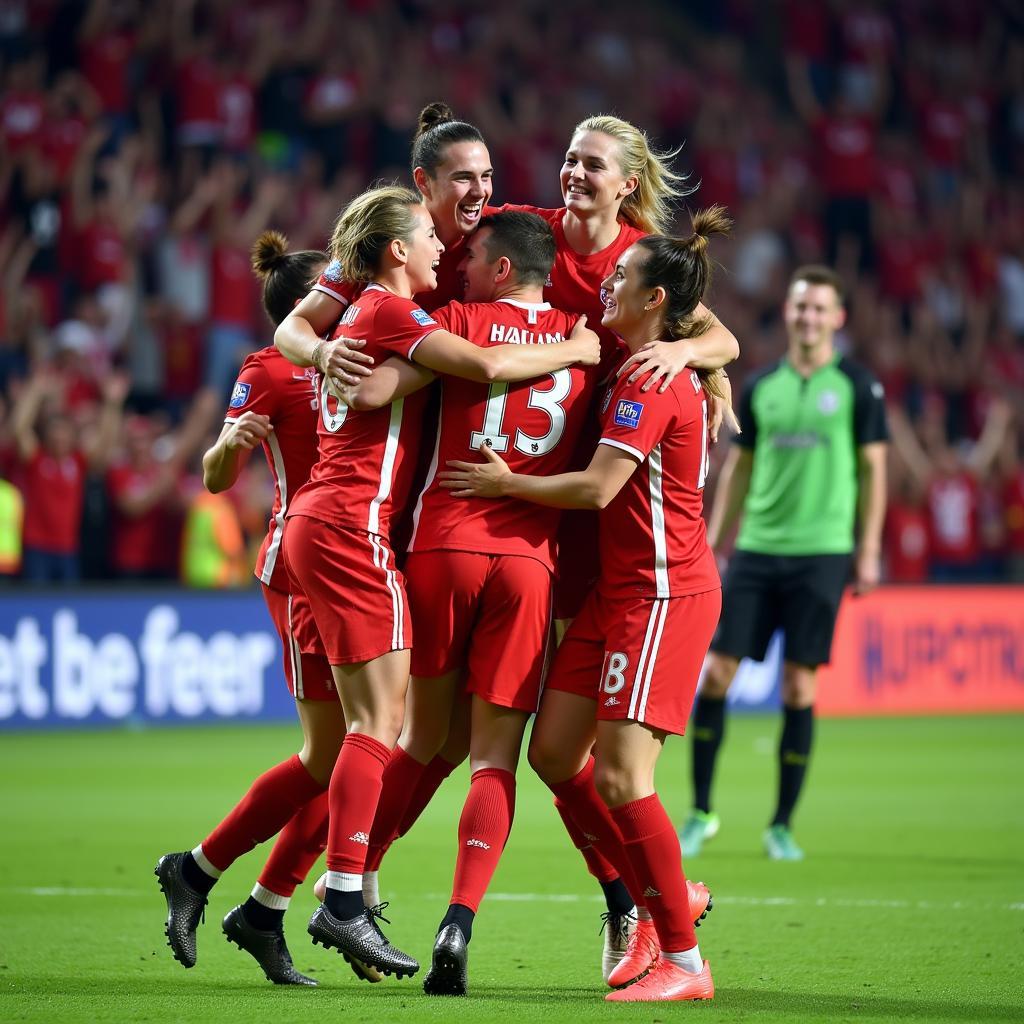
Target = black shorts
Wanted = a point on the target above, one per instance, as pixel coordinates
(799, 594)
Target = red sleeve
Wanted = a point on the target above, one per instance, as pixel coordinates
(636, 421)
(400, 325)
(254, 391)
(331, 283)
(454, 318)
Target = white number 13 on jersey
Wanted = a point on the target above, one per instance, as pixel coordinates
(548, 401)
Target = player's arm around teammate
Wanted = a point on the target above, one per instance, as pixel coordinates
(627, 670)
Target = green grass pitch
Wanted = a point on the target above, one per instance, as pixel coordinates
(910, 906)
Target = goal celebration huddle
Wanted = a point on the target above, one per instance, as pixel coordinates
(480, 420)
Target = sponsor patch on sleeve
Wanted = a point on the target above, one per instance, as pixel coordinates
(240, 395)
(423, 318)
(627, 414)
(332, 272)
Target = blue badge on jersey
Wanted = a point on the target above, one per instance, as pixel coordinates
(240, 395)
(423, 318)
(332, 272)
(627, 414)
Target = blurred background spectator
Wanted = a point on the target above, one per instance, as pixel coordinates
(144, 146)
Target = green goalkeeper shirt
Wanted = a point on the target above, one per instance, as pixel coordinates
(805, 433)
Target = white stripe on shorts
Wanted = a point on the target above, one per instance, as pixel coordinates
(380, 559)
(295, 654)
(648, 658)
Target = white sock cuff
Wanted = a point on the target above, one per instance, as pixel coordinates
(205, 866)
(688, 960)
(344, 881)
(269, 899)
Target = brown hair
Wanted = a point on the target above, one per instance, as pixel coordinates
(438, 129)
(682, 267)
(286, 276)
(817, 273)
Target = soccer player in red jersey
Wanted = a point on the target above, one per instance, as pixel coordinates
(274, 405)
(632, 658)
(479, 584)
(616, 189)
(336, 542)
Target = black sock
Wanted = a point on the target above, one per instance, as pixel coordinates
(707, 731)
(461, 915)
(261, 917)
(344, 905)
(617, 897)
(195, 876)
(794, 753)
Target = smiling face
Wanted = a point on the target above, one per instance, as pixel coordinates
(423, 250)
(591, 177)
(460, 189)
(477, 270)
(626, 297)
(812, 313)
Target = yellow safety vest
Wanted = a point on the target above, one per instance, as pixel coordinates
(213, 547)
(12, 514)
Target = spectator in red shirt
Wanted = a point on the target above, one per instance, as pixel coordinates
(54, 466)
(952, 482)
(145, 515)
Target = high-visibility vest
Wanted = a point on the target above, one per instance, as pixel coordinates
(213, 547)
(12, 515)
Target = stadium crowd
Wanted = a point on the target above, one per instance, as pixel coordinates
(143, 148)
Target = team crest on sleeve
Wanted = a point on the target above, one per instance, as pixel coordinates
(423, 318)
(240, 395)
(627, 414)
(332, 272)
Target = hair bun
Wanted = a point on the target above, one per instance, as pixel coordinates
(268, 252)
(432, 115)
(714, 220)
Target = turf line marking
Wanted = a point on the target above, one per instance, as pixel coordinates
(59, 891)
(760, 901)
(540, 897)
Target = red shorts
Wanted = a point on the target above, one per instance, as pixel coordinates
(356, 594)
(639, 659)
(306, 668)
(488, 613)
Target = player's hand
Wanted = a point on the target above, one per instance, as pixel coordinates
(249, 430)
(721, 410)
(662, 360)
(340, 360)
(587, 342)
(867, 572)
(476, 480)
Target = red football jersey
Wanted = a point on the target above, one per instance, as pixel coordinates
(575, 280)
(290, 395)
(367, 458)
(533, 425)
(54, 490)
(653, 540)
(138, 544)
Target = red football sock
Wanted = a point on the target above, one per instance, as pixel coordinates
(297, 848)
(401, 777)
(653, 848)
(355, 790)
(483, 831)
(271, 801)
(597, 864)
(593, 819)
(435, 773)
